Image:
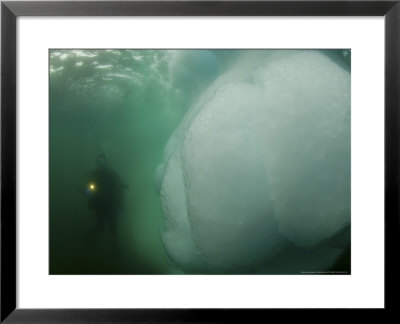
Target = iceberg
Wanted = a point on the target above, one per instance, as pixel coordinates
(256, 178)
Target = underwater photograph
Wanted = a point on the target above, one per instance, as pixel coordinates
(200, 161)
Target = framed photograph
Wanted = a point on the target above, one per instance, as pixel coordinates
(187, 161)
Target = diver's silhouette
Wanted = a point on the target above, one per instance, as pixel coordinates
(105, 198)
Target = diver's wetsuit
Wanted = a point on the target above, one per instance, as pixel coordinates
(106, 200)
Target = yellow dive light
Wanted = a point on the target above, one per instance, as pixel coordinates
(92, 187)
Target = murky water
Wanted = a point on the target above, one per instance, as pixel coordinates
(132, 104)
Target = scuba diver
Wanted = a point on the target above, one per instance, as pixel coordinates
(105, 198)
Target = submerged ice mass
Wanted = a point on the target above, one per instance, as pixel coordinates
(257, 176)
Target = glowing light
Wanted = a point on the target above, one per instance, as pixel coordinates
(92, 187)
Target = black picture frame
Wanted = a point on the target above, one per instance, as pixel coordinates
(10, 10)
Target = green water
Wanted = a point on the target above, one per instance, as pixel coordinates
(118, 102)
(122, 103)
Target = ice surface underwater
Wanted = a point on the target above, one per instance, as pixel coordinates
(257, 176)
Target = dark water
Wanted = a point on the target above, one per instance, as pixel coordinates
(125, 104)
